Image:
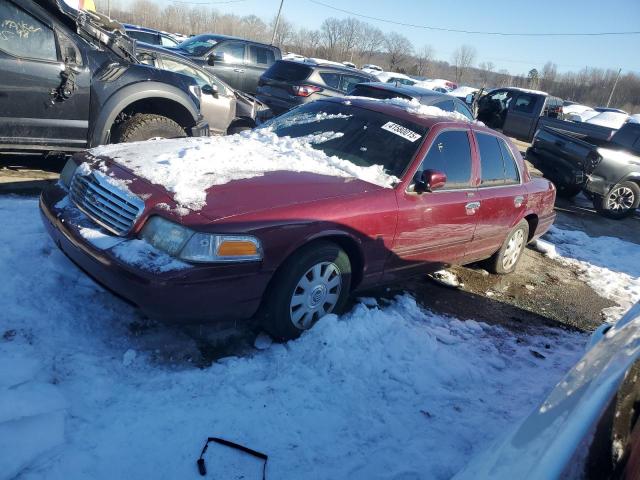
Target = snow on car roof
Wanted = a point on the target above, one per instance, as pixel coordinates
(187, 167)
(414, 107)
(609, 119)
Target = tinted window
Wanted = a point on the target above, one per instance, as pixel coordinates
(24, 36)
(451, 154)
(184, 69)
(145, 37)
(198, 45)
(463, 109)
(525, 103)
(288, 71)
(233, 52)
(491, 164)
(511, 174)
(261, 56)
(331, 79)
(446, 105)
(347, 82)
(365, 138)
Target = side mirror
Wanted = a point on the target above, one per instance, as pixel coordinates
(430, 180)
(210, 90)
(215, 57)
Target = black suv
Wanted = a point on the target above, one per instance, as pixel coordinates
(237, 61)
(70, 80)
(288, 83)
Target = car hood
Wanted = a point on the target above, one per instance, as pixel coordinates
(268, 191)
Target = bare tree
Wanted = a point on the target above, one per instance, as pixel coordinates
(331, 30)
(463, 58)
(398, 49)
(548, 77)
(424, 58)
(371, 41)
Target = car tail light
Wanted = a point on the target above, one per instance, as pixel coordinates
(304, 90)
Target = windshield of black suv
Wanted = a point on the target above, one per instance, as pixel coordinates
(361, 136)
(198, 45)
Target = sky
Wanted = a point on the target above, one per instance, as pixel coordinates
(515, 54)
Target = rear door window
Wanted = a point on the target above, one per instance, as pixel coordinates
(167, 41)
(524, 103)
(22, 35)
(460, 108)
(289, 71)
(511, 174)
(261, 56)
(491, 163)
(450, 153)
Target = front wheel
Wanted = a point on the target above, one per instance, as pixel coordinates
(145, 126)
(506, 259)
(313, 282)
(621, 201)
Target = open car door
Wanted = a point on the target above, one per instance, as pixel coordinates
(522, 115)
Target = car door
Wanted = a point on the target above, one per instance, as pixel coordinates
(522, 116)
(32, 109)
(435, 228)
(219, 109)
(229, 62)
(500, 193)
(260, 58)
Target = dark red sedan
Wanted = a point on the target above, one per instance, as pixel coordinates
(334, 196)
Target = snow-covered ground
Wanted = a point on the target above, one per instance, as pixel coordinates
(386, 391)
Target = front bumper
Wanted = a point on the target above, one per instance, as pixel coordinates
(201, 129)
(204, 292)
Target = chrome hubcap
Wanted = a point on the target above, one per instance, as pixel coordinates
(620, 199)
(315, 295)
(513, 250)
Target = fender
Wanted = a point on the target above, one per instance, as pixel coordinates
(117, 102)
(631, 177)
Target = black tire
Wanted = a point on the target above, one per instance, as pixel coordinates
(621, 201)
(239, 126)
(144, 126)
(277, 310)
(497, 263)
(568, 191)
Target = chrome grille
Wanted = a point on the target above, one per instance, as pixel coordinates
(106, 204)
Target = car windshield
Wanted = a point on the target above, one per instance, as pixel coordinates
(361, 136)
(198, 45)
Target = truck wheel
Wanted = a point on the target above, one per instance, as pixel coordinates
(313, 282)
(621, 201)
(568, 191)
(144, 126)
(505, 260)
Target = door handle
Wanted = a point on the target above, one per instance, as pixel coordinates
(239, 70)
(471, 207)
(518, 201)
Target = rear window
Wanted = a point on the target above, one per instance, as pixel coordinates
(289, 71)
(372, 92)
(362, 137)
(497, 165)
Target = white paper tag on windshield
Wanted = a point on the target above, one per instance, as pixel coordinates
(401, 131)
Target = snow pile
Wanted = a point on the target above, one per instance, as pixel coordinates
(609, 119)
(576, 108)
(635, 118)
(386, 76)
(31, 408)
(462, 92)
(188, 167)
(415, 107)
(609, 265)
(432, 391)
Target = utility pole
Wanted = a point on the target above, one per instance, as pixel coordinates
(275, 27)
(615, 84)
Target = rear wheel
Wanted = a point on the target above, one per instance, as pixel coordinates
(144, 126)
(506, 259)
(621, 201)
(313, 282)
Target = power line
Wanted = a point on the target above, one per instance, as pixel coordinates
(183, 2)
(475, 32)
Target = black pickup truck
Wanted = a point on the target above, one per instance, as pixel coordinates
(608, 171)
(70, 80)
(519, 113)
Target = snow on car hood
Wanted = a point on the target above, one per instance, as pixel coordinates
(188, 167)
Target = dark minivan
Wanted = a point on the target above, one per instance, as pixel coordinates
(288, 84)
(236, 61)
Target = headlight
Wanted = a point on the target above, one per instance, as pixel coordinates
(186, 244)
(67, 172)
